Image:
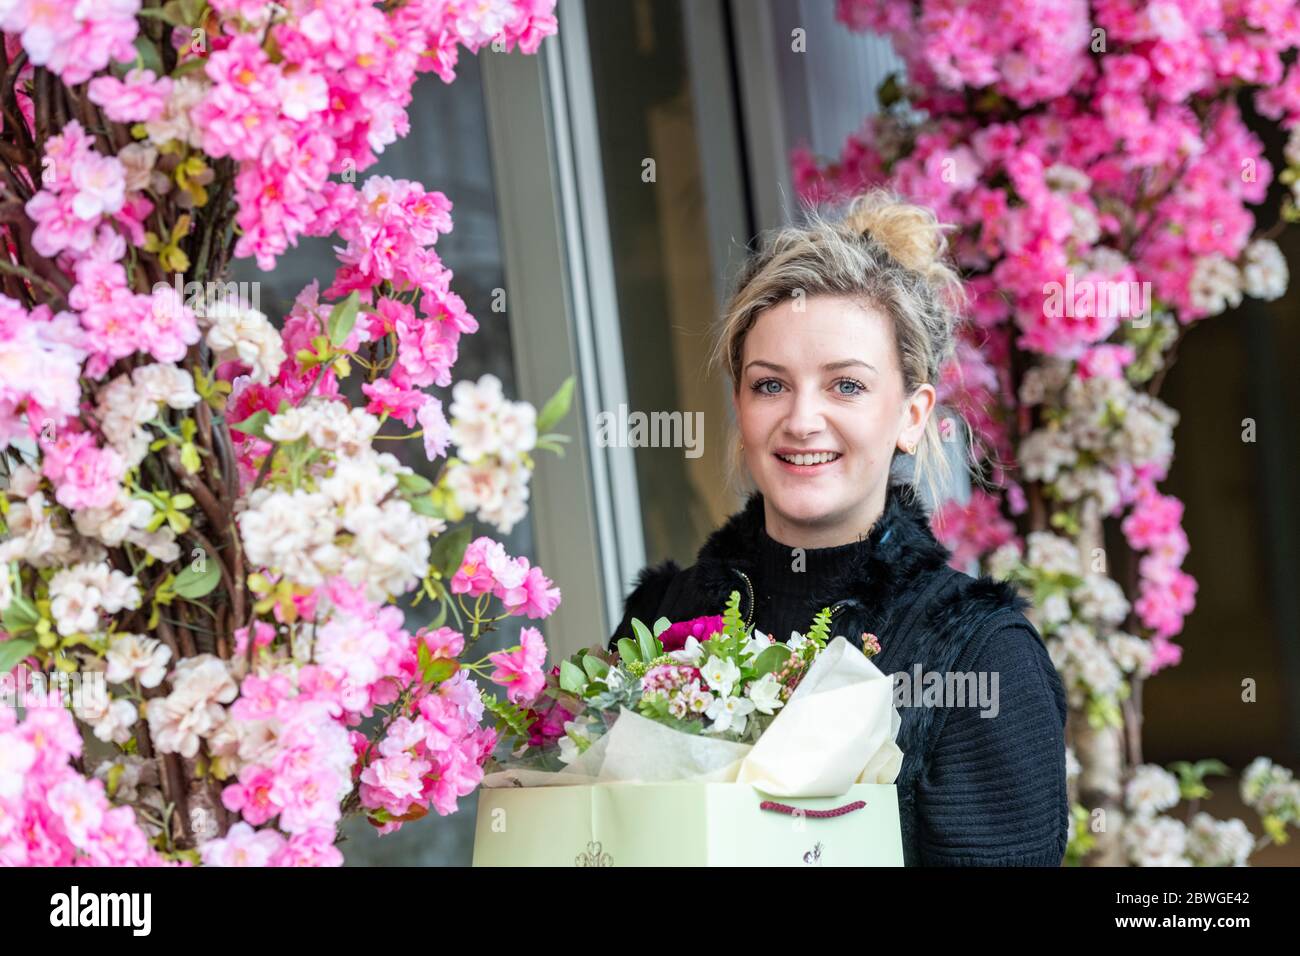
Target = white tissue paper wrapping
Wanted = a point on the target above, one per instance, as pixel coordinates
(837, 729)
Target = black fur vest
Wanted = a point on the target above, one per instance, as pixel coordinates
(899, 587)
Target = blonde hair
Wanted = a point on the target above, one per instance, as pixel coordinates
(881, 252)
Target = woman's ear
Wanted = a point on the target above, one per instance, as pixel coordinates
(916, 413)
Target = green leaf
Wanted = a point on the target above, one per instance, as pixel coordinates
(255, 424)
(771, 660)
(148, 54)
(596, 668)
(572, 677)
(191, 584)
(190, 458)
(437, 670)
(20, 615)
(414, 484)
(556, 407)
(662, 625)
(449, 551)
(424, 505)
(628, 652)
(648, 644)
(13, 651)
(342, 318)
(732, 623)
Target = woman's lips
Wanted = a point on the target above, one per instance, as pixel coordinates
(806, 469)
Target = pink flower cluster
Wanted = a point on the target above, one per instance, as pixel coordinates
(336, 97)
(487, 569)
(973, 529)
(73, 40)
(300, 772)
(1167, 594)
(79, 187)
(519, 669)
(41, 354)
(51, 815)
(432, 757)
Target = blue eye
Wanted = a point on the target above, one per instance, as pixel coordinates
(760, 386)
(856, 386)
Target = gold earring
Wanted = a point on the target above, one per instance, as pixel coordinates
(911, 448)
(742, 445)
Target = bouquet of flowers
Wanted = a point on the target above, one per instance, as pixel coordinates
(710, 698)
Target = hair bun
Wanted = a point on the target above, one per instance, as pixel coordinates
(910, 233)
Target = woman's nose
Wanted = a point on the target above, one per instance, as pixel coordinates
(805, 416)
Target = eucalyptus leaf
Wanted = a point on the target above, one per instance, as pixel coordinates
(572, 677)
(628, 652)
(771, 659)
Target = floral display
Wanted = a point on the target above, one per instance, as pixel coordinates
(208, 515)
(1099, 176)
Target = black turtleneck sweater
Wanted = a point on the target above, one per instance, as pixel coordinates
(788, 579)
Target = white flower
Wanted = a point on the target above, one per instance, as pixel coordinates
(1215, 285)
(358, 482)
(720, 675)
(797, 642)
(6, 588)
(287, 426)
(79, 593)
(113, 523)
(692, 652)
(115, 726)
(758, 642)
(1265, 271)
(516, 429)
(766, 694)
(167, 384)
(200, 685)
(390, 548)
(1046, 452)
(728, 713)
(1156, 841)
(175, 123)
(292, 532)
(1212, 842)
(1101, 599)
(1003, 562)
(1051, 554)
(498, 492)
(134, 656)
(246, 334)
(475, 410)
(1132, 654)
(1151, 790)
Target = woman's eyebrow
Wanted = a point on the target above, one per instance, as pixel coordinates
(828, 367)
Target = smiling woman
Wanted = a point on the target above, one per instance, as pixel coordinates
(832, 342)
